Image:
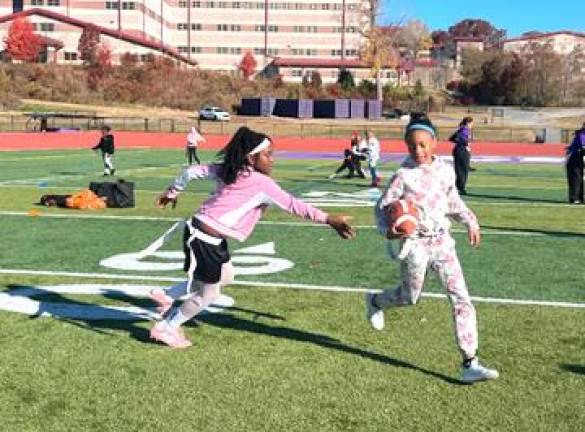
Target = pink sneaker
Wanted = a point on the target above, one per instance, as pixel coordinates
(163, 301)
(173, 337)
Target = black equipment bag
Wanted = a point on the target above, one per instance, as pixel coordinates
(118, 195)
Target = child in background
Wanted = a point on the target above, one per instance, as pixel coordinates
(348, 158)
(106, 145)
(193, 140)
(429, 183)
(373, 157)
(244, 191)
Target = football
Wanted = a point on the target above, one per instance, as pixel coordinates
(403, 216)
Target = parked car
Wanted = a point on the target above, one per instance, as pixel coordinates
(214, 113)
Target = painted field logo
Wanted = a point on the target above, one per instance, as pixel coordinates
(254, 260)
(362, 198)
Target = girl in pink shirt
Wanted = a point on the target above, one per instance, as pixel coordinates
(244, 191)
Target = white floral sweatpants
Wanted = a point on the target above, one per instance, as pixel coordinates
(439, 254)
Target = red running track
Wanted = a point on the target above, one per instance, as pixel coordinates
(79, 140)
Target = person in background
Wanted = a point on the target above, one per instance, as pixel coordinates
(373, 157)
(462, 153)
(106, 145)
(194, 138)
(348, 158)
(574, 166)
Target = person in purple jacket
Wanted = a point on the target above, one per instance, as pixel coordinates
(244, 190)
(462, 153)
(574, 166)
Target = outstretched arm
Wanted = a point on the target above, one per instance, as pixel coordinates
(459, 212)
(180, 183)
(274, 194)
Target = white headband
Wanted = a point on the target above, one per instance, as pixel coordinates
(262, 146)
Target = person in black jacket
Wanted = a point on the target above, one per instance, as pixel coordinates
(106, 145)
(574, 166)
(462, 153)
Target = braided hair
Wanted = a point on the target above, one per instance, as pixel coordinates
(234, 155)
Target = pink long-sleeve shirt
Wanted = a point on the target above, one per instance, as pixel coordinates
(233, 210)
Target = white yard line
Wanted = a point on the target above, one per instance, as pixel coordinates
(277, 223)
(330, 288)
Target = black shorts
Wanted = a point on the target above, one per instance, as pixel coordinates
(204, 254)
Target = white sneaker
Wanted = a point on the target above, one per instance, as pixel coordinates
(374, 314)
(476, 372)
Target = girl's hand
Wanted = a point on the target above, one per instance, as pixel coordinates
(341, 225)
(474, 237)
(163, 200)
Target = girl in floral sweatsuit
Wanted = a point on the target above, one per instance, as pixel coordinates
(429, 183)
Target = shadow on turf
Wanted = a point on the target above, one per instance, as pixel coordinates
(234, 323)
(537, 231)
(578, 369)
(226, 320)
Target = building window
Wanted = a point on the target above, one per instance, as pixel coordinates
(272, 51)
(183, 49)
(236, 27)
(222, 50)
(128, 5)
(182, 26)
(259, 51)
(325, 6)
(235, 50)
(36, 2)
(53, 3)
(297, 72)
(111, 5)
(196, 49)
(272, 28)
(196, 4)
(211, 4)
(236, 5)
(182, 4)
(70, 56)
(196, 26)
(47, 27)
(222, 27)
(259, 28)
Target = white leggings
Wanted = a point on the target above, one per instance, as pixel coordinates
(207, 293)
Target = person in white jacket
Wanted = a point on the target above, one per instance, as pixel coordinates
(373, 157)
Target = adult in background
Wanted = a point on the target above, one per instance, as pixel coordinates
(194, 137)
(462, 153)
(106, 145)
(574, 166)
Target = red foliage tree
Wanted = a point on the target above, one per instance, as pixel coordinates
(247, 65)
(102, 65)
(88, 45)
(21, 42)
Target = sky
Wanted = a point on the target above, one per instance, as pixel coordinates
(514, 16)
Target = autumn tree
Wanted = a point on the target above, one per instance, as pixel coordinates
(247, 65)
(101, 66)
(21, 42)
(414, 36)
(88, 45)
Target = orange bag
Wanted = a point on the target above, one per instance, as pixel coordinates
(85, 199)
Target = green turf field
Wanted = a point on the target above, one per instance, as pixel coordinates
(292, 354)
